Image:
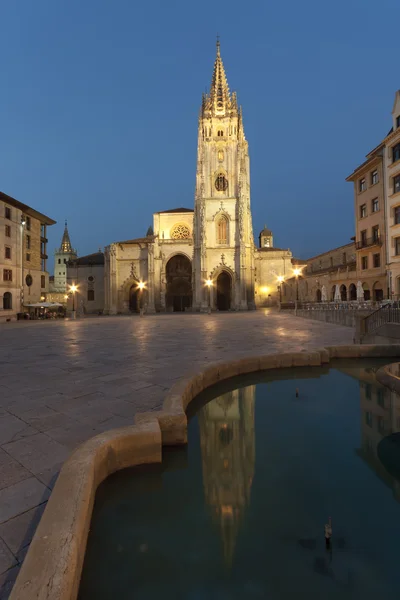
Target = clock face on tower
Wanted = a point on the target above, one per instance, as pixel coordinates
(221, 183)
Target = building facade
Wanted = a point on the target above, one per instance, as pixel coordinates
(392, 186)
(327, 277)
(211, 243)
(24, 278)
(369, 206)
(87, 274)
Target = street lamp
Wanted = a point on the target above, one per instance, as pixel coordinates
(141, 286)
(23, 223)
(296, 273)
(280, 281)
(209, 284)
(73, 288)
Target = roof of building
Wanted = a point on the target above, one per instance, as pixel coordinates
(97, 258)
(26, 209)
(352, 244)
(143, 240)
(272, 249)
(175, 210)
(266, 231)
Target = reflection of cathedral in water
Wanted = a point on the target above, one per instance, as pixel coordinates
(228, 453)
(380, 417)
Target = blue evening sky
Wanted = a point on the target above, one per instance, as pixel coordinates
(99, 104)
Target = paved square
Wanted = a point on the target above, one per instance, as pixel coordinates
(65, 381)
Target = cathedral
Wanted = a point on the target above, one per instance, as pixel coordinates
(203, 258)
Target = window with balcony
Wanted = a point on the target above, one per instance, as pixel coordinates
(396, 184)
(396, 153)
(396, 243)
(374, 177)
(364, 237)
(364, 262)
(7, 275)
(362, 185)
(375, 205)
(396, 214)
(363, 211)
(7, 252)
(7, 231)
(377, 260)
(7, 212)
(375, 233)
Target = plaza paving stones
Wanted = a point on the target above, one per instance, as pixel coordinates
(65, 381)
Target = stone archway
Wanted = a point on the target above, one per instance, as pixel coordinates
(179, 283)
(352, 292)
(378, 291)
(224, 291)
(318, 295)
(343, 293)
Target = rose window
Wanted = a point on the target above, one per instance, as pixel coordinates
(180, 232)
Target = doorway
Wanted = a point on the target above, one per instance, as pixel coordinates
(224, 287)
(179, 284)
(134, 298)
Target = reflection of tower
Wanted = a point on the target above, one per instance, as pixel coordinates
(228, 453)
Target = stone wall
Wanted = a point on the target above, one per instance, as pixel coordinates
(348, 318)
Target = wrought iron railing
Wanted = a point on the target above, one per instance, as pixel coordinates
(371, 241)
(382, 316)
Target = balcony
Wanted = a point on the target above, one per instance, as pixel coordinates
(375, 240)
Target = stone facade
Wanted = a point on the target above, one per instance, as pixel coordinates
(58, 288)
(168, 269)
(87, 274)
(24, 278)
(324, 278)
(392, 186)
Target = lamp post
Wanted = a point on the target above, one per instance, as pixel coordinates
(280, 280)
(209, 284)
(297, 272)
(141, 287)
(73, 289)
(23, 223)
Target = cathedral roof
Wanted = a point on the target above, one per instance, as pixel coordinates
(143, 240)
(175, 210)
(97, 258)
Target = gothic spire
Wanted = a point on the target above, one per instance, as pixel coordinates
(66, 242)
(219, 100)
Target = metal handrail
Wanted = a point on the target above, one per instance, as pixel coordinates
(382, 316)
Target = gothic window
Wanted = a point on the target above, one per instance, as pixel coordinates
(222, 230)
(221, 183)
(180, 231)
(220, 155)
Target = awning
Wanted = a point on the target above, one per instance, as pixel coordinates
(44, 305)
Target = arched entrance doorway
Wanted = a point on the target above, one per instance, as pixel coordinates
(367, 292)
(179, 283)
(378, 291)
(343, 293)
(319, 296)
(224, 291)
(352, 292)
(134, 298)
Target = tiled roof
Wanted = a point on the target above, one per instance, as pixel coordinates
(175, 210)
(26, 209)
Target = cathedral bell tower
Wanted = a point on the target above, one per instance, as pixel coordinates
(223, 235)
